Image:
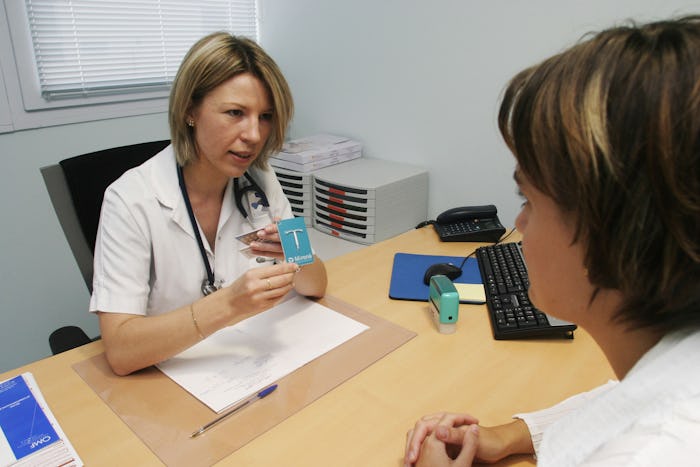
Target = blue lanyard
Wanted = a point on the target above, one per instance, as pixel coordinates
(209, 284)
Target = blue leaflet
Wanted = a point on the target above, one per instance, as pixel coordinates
(23, 421)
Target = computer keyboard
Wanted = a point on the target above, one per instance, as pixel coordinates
(505, 278)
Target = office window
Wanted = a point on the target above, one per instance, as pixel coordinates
(71, 53)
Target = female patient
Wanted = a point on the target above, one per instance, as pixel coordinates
(168, 268)
(606, 136)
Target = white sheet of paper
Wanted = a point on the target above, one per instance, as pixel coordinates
(237, 361)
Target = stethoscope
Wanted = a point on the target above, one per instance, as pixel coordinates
(209, 284)
(239, 193)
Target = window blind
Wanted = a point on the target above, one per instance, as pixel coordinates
(99, 47)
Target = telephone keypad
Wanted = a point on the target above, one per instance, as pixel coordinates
(476, 230)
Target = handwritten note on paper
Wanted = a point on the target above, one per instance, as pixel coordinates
(236, 361)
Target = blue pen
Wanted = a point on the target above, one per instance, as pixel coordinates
(264, 393)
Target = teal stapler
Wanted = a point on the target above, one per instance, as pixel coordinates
(444, 303)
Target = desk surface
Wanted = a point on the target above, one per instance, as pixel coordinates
(364, 421)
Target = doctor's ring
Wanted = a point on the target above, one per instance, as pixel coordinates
(269, 284)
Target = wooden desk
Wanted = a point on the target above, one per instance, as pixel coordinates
(363, 422)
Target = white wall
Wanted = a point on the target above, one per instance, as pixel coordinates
(41, 287)
(419, 81)
(415, 81)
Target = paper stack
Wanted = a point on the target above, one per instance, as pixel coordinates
(315, 152)
(369, 200)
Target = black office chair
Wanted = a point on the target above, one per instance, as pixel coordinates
(76, 187)
(68, 337)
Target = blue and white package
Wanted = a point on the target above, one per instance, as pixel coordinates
(295, 241)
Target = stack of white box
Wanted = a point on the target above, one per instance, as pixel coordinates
(315, 152)
(369, 200)
(296, 162)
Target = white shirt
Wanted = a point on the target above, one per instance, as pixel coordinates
(650, 418)
(147, 260)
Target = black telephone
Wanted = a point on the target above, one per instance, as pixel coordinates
(469, 224)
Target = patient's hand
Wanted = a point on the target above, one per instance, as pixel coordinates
(494, 443)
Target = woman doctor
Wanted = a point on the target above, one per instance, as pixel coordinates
(169, 270)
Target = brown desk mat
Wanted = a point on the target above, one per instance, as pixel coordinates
(164, 415)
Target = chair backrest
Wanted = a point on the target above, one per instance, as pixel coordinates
(76, 187)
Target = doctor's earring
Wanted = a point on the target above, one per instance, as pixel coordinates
(190, 122)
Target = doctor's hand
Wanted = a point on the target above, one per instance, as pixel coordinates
(269, 243)
(311, 280)
(259, 289)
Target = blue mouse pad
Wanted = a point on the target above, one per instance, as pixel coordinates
(408, 271)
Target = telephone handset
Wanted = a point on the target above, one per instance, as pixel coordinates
(469, 224)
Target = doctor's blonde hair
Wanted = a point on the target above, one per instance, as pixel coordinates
(211, 61)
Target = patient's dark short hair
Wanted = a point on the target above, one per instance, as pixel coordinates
(610, 130)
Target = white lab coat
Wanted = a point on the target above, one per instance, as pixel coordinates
(147, 260)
